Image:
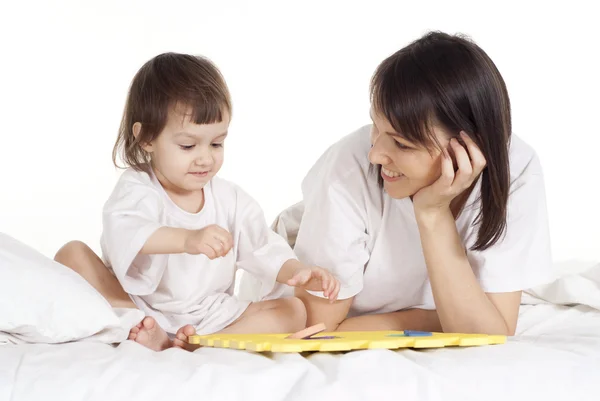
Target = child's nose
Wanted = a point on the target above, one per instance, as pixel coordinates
(203, 158)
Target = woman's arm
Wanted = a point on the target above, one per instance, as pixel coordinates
(462, 306)
(334, 315)
(461, 303)
(410, 319)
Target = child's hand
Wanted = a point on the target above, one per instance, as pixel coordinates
(212, 241)
(316, 279)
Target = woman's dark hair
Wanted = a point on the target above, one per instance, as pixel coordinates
(450, 81)
(163, 83)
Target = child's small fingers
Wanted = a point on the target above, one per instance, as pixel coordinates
(224, 238)
(210, 252)
(324, 283)
(319, 274)
(218, 247)
(331, 283)
(336, 291)
(223, 246)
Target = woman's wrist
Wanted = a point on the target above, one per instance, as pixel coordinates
(432, 218)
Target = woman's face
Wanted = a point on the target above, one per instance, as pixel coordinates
(405, 167)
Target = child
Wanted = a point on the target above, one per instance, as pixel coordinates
(174, 234)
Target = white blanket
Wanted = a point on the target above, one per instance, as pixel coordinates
(556, 356)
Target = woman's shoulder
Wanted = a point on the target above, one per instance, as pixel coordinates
(524, 161)
(345, 161)
(351, 150)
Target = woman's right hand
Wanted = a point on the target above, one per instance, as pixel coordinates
(212, 241)
(438, 196)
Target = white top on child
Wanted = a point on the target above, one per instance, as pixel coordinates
(180, 289)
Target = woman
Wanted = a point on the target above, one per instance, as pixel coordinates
(433, 217)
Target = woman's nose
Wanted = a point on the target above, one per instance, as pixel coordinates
(377, 153)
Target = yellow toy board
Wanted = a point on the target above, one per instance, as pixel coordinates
(344, 341)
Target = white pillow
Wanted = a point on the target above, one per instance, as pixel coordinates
(42, 301)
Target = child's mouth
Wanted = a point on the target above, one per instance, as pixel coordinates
(199, 173)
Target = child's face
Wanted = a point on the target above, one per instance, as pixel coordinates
(186, 155)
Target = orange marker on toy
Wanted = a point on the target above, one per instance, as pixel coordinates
(308, 332)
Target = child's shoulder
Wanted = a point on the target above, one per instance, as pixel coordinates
(131, 178)
(134, 183)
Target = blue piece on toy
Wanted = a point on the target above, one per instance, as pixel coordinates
(414, 333)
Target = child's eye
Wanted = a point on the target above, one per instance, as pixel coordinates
(217, 145)
(186, 147)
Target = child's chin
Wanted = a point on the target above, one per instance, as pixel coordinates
(195, 187)
(192, 185)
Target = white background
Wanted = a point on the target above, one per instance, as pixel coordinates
(299, 75)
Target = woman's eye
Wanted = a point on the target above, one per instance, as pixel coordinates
(402, 146)
(186, 147)
(217, 145)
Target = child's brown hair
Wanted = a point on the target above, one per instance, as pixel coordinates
(167, 81)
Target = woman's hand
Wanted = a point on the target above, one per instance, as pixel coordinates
(437, 196)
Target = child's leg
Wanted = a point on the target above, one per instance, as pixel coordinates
(285, 315)
(79, 257)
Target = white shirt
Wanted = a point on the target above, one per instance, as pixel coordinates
(371, 242)
(180, 289)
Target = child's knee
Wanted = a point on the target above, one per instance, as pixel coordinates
(74, 251)
(297, 313)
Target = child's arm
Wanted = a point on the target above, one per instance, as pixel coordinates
(312, 278)
(213, 241)
(135, 242)
(165, 240)
(266, 255)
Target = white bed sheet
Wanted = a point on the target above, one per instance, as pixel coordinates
(555, 356)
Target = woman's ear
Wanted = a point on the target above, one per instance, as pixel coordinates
(137, 129)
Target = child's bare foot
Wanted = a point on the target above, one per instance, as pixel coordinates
(150, 335)
(181, 338)
(134, 332)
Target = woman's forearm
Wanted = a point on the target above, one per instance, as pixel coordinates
(410, 319)
(461, 304)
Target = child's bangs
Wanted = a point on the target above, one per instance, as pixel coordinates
(202, 111)
(401, 94)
